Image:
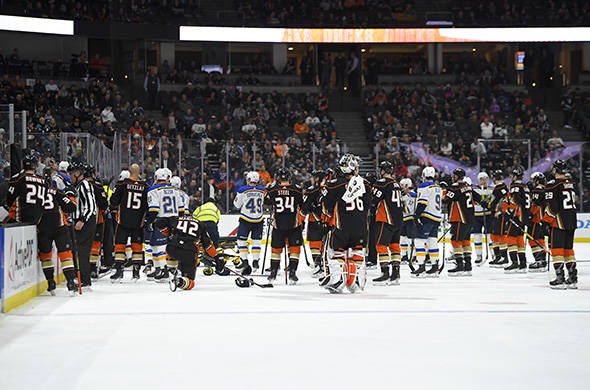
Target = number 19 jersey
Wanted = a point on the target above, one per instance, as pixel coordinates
(249, 201)
(165, 200)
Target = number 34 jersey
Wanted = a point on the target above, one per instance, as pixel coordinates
(130, 201)
(249, 201)
(165, 200)
(286, 202)
(560, 209)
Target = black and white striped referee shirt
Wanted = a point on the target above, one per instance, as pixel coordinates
(87, 209)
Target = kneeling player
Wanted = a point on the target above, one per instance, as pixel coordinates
(186, 236)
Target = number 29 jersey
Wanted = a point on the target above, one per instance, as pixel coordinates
(560, 209)
(249, 201)
(286, 202)
(130, 200)
(165, 200)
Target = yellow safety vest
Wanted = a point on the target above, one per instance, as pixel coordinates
(207, 212)
(108, 190)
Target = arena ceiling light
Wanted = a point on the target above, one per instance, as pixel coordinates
(37, 25)
(384, 35)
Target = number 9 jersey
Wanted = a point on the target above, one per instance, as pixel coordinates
(249, 201)
(165, 200)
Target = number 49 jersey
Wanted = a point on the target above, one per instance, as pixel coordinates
(165, 200)
(387, 196)
(560, 210)
(286, 202)
(249, 201)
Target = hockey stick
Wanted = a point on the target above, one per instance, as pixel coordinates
(528, 235)
(286, 264)
(305, 255)
(485, 229)
(269, 226)
(410, 262)
(75, 255)
(442, 267)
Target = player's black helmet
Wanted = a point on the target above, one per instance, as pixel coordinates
(371, 177)
(87, 170)
(30, 162)
(517, 173)
(498, 174)
(538, 178)
(459, 173)
(386, 167)
(330, 173)
(560, 166)
(283, 174)
(320, 174)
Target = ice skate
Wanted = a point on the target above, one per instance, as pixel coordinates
(433, 272)
(255, 265)
(384, 278)
(118, 275)
(246, 269)
(103, 271)
(394, 278)
(273, 275)
(163, 276)
(293, 279)
(135, 276)
(479, 260)
(72, 288)
(466, 267)
(419, 272)
(559, 282)
(512, 268)
(572, 279)
(458, 270)
(93, 271)
(538, 266)
(152, 275)
(51, 286)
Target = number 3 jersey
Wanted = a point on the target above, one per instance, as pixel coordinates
(130, 201)
(25, 197)
(560, 209)
(249, 201)
(165, 200)
(286, 202)
(387, 197)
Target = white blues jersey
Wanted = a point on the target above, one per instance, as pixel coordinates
(485, 193)
(164, 199)
(183, 202)
(249, 201)
(409, 201)
(430, 194)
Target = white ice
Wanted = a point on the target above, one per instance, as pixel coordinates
(490, 331)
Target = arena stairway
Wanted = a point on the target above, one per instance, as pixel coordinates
(350, 131)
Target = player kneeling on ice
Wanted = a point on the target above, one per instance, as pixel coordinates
(249, 201)
(428, 216)
(346, 200)
(186, 236)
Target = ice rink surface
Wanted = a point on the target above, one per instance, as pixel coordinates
(489, 331)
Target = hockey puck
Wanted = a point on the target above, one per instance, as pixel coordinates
(242, 282)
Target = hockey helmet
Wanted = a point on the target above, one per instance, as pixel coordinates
(168, 173)
(482, 176)
(459, 174)
(406, 182)
(348, 163)
(386, 167)
(88, 170)
(30, 162)
(175, 181)
(283, 174)
(371, 177)
(467, 180)
(560, 166)
(428, 172)
(517, 173)
(160, 174)
(538, 178)
(63, 166)
(320, 174)
(498, 174)
(253, 177)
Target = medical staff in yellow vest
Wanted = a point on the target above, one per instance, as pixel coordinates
(209, 214)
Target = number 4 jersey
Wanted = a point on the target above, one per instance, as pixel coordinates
(249, 201)
(130, 201)
(286, 202)
(25, 197)
(560, 210)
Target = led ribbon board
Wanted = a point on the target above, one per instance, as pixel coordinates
(384, 35)
(37, 25)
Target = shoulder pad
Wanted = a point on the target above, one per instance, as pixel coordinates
(551, 182)
(382, 180)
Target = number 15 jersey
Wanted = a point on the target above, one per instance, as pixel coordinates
(130, 201)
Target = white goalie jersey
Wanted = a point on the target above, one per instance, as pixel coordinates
(165, 200)
(249, 201)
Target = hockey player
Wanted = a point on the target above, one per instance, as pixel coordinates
(560, 214)
(483, 216)
(407, 232)
(428, 216)
(286, 201)
(516, 218)
(249, 200)
(498, 233)
(371, 259)
(346, 201)
(183, 203)
(60, 179)
(315, 227)
(536, 226)
(26, 194)
(130, 202)
(387, 198)
(162, 203)
(54, 228)
(461, 197)
(102, 202)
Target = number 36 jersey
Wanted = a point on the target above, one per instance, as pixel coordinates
(249, 201)
(130, 201)
(165, 200)
(349, 216)
(286, 202)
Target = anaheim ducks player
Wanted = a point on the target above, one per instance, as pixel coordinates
(517, 216)
(536, 228)
(26, 194)
(315, 227)
(346, 200)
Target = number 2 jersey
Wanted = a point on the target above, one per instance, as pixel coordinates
(249, 201)
(286, 202)
(130, 200)
(461, 198)
(350, 216)
(387, 198)
(165, 200)
(25, 197)
(560, 208)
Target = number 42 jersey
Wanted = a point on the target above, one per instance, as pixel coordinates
(249, 201)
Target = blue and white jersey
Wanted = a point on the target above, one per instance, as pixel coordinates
(480, 211)
(430, 194)
(409, 201)
(249, 201)
(61, 180)
(164, 199)
(183, 202)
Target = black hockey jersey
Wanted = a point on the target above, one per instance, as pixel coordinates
(25, 198)
(560, 209)
(520, 201)
(55, 209)
(387, 200)
(286, 202)
(343, 214)
(499, 193)
(129, 199)
(538, 203)
(312, 204)
(186, 230)
(461, 198)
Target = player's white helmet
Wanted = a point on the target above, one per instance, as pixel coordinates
(175, 181)
(63, 166)
(406, 182)
(348, 163)
(253, 177)
(467, 180)
(160, 174)
(168, 173)
(124, 175)
(482, 176)
(429, 173)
